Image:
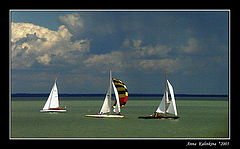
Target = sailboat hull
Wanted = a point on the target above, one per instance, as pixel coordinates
(53, 110)
(104, 116)
(158, 117)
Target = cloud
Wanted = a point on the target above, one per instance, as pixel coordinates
(104, 62)
(140, 50)
(74, 22)
(135, 56)
(150, 57)
(191, 47)
(168, 65)
(32, 44)
(45, 59)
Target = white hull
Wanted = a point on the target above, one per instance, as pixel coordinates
(105, 116)
(53, 110)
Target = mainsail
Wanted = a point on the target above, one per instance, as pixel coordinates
(52, 101)
(172, 109)
(168, 105)
(161, 108)
(106, 107)
(122, 92)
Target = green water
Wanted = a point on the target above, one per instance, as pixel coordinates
(198, 119)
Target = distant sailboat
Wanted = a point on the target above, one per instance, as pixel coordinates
(121, 94)
(52, 104)
(167, 108)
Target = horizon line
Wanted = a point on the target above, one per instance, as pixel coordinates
(98, 94)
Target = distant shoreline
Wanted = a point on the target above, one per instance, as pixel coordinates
(99, 95)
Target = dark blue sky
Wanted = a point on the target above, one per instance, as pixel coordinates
(79, 48)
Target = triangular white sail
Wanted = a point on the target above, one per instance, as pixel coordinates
(106, 107)
(161, 107)
(172, 109)
(117, 107)
(52, 101)
(166, 105)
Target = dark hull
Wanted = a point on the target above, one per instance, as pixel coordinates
(104, 116)
(158, 117)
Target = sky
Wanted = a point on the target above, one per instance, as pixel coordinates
(80, 47)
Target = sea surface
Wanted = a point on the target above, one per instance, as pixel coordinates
(200, 117)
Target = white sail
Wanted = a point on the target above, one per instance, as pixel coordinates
(167, 99)
(47, 104)
(117, 107)
(106, 107)
(52, 101)
(166, 105)
(162, 105)
(172, 109)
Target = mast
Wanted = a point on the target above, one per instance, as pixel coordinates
(166, 92)
(106, 107)
(110, 84)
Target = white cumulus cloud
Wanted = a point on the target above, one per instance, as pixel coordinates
(73, 21)
(45, 59)
(31, 44)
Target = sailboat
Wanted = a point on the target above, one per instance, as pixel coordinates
(121, 95)
(52, 103)
(167, 108)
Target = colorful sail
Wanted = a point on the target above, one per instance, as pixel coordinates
(122, 92)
